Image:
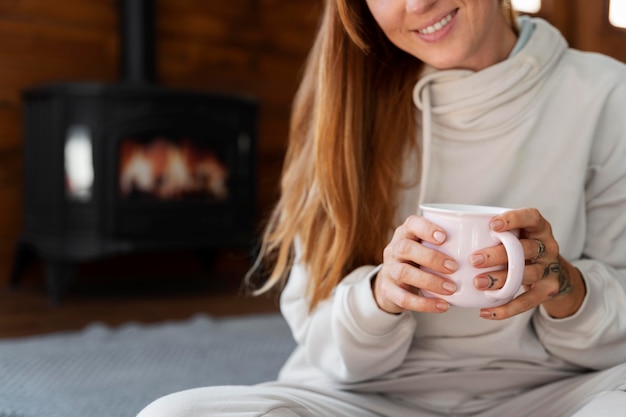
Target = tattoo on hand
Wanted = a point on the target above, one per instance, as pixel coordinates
(565, 284)
(492, 281)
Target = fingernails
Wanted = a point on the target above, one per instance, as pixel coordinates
(482, 282)
(449, 286)
(442, 306)
(450, 265)
(486, 314)
(497, 225)
(439, 236)
(477, 259)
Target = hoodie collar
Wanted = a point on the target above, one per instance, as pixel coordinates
(468, 105)
(465, 104)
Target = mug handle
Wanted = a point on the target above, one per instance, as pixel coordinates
(516, 264)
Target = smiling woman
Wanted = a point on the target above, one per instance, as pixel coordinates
(405, 102)
(470, 35)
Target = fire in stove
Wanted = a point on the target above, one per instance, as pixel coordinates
(169, 169)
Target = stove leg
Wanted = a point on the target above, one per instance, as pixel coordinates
(24, 255)
(59, 275)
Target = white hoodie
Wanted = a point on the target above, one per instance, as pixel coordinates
(547, 129)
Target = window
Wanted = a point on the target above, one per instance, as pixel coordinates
(617, 13)
(528, 6)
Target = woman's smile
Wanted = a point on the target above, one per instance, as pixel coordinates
(468, 34)
(429, 30)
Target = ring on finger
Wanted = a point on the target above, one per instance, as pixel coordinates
(541, 250)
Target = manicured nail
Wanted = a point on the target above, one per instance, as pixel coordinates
(487, 314)
(449, 286)
(482, 282)
(439, 236)
(450, 265)
(477, 259)
(443, 306)
(497, 225)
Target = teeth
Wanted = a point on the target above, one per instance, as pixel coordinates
(437, 26)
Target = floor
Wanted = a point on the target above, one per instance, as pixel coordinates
(144, 288)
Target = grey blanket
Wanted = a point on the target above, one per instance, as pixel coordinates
(115, 371)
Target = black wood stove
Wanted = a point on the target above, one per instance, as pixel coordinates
(111, 169)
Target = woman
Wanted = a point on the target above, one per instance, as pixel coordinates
(455, 101)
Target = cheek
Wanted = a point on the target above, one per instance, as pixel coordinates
(390, 15)
(384, 14)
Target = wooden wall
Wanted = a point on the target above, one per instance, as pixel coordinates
(586, 26)
(254, 47)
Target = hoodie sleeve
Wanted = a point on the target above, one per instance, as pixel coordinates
(595, 337)
(346, 336)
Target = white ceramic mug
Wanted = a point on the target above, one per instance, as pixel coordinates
(467, 229)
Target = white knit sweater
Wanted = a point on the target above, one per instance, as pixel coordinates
(547, 129)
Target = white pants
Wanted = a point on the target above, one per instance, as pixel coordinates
(597, 394)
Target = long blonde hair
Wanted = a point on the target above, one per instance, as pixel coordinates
(352, 120)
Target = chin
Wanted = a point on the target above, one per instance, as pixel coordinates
(443, 64)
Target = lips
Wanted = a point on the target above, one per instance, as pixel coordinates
(428, 30)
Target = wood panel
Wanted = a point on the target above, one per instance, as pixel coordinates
(594, 32)
(558, 13)
(585, 24)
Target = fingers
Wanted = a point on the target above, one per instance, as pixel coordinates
(529, 219)
(542, 276)
(406, 246)
(538, 244)
(524, 302)
(532, 226)
(397, 286)
(419, 229)
(496, 255)
(541, 292)
(409, 251)
(490, 281)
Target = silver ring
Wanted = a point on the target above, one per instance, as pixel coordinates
(541, 250)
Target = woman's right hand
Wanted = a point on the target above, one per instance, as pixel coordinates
(397, 285)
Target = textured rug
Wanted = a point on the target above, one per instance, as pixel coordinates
(115, 371)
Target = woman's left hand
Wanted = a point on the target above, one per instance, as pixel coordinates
(549, 279)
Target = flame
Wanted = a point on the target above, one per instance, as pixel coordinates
(170, 170)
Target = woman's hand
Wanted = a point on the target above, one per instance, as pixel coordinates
(397, 285)
(548, 278)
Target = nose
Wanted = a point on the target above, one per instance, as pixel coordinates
(419, 6)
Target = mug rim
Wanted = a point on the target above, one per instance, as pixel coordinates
(463, 209)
